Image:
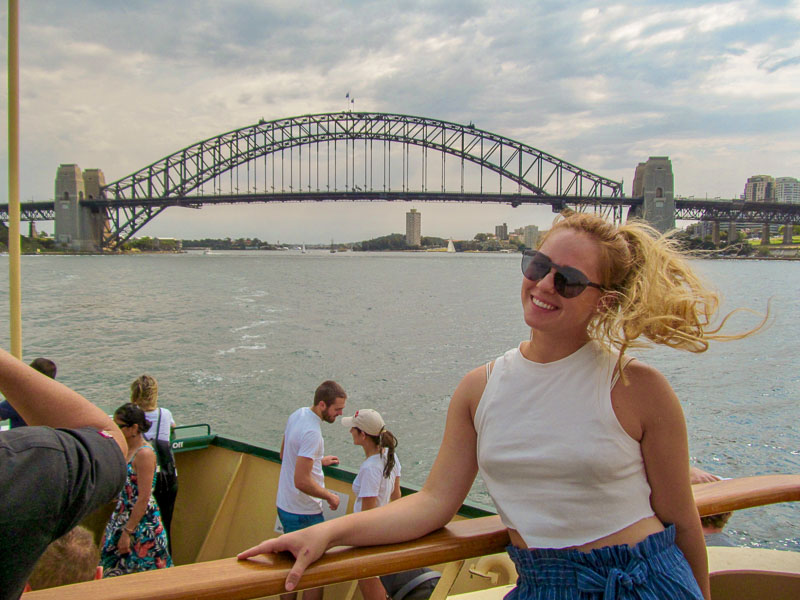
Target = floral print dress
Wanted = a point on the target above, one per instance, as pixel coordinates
(149, 540)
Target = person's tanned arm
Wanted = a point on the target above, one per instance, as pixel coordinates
(304, 482)
(40, 400)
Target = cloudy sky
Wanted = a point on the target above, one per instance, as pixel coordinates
(119, 84)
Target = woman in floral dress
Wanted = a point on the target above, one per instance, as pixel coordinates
(135, 539)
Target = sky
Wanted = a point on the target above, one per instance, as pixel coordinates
(117, 85)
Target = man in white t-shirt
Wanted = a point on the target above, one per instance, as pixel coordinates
(301, 488)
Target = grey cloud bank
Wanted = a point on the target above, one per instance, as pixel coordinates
(714, 85)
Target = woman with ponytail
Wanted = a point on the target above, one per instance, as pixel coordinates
(583, 450)
(378, 479)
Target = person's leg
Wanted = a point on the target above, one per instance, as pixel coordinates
(166, 505)
(292, 522)
(313, 594)
(372, 589)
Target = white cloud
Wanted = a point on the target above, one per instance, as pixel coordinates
(715, 85)
(756, 73)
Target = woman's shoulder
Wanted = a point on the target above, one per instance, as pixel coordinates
(144, 452)
(644, 385)
(159, 410)
(639, 373)
(371, 463)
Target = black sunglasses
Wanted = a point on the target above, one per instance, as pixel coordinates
(568, 281)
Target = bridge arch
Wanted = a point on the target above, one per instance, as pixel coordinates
(188, 171)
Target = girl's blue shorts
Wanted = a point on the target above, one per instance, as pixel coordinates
(655, 568)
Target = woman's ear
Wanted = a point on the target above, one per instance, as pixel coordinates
(606, 302)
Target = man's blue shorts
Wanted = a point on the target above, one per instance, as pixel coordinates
(293, 522)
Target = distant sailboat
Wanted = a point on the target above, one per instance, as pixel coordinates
(303, 249)
(450, 246)
(333, 249)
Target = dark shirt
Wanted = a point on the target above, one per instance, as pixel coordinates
(7, 412)
(50, 479)
(720, 538)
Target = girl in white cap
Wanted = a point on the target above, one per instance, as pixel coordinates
(378, 479)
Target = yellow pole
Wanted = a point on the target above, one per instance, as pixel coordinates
(14, 279)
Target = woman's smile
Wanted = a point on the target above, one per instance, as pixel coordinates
(542, 304)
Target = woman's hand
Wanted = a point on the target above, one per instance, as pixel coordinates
(698, 475)
(124, 543)
(307, 545)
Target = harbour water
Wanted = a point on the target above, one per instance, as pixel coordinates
(240, 339)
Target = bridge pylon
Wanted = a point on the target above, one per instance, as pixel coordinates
(79, 227)
(655, 183)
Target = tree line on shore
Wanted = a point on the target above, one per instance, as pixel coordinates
(482, 242)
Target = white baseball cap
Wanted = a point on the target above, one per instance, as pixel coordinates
(367, 420)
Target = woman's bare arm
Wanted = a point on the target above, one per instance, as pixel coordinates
(396, 493)
(665, 450)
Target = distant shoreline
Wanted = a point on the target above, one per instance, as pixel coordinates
(149, 252)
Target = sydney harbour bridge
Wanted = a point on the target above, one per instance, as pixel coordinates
(363, 156)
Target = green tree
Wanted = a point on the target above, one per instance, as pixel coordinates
(394, 241)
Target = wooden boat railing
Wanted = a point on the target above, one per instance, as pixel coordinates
(745, 492)
(229, 579)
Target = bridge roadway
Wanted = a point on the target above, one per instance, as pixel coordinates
(723, 211)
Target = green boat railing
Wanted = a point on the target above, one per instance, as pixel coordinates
(183, 441)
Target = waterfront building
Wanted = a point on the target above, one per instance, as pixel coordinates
(531, 236)
(501, 231)
(413, 228)
(787, 189)
(760, 188)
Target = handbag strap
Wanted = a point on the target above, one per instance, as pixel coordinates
(155, 440)
(158, 427)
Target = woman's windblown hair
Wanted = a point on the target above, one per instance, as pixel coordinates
(651, 291)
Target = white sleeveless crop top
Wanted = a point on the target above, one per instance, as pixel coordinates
(558, 465)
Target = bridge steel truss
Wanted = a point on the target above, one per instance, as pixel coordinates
(180, 178)
(31, 211)
(725, 211)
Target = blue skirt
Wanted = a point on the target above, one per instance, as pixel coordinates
(655, 568)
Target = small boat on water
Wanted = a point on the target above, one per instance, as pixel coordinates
(450, 246)
(226, 504)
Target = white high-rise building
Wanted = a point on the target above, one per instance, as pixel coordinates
(787, 189)
(531, 236)
(413, 228)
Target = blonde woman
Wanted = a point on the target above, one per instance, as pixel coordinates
(583, 451)
(144, 394)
